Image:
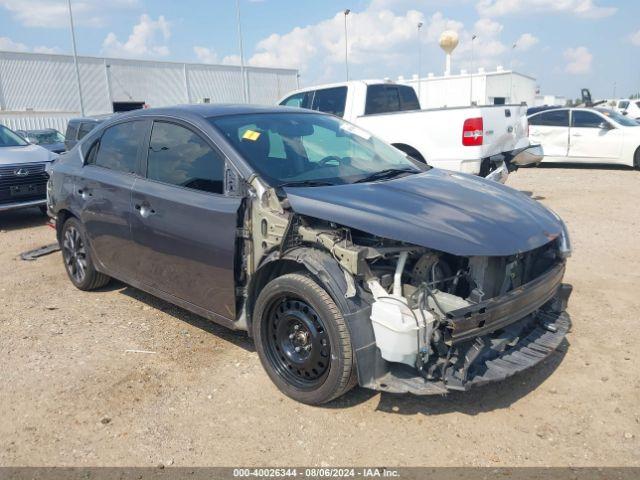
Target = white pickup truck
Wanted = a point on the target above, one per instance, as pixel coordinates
(489, 141)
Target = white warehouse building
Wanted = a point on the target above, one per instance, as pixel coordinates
(41, 91)
(488, 88)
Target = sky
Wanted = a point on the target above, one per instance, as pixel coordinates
(565, 44)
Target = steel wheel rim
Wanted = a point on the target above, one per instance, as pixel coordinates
(296, 342)
(74, 254)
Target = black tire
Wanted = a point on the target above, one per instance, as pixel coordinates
(77, 257)
(636, 159)
(293, 312)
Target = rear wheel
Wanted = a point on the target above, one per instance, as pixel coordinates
(636, 159)
(77, 257)
(302, 340)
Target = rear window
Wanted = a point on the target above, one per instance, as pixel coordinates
(72, 131)
(551, 118)
(390, 98)
(118, 147)
(85, 128)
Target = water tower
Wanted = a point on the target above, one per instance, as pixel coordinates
(448, 42)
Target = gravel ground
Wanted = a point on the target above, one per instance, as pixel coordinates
(72, 392)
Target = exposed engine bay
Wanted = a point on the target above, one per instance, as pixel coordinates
(432, 313)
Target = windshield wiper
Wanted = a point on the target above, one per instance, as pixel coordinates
(306, 183)
(386, 173)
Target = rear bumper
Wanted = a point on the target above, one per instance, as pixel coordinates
(498, 167)
(25, 204)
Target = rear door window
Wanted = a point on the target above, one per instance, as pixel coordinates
(178, 156)
(582, 119)
(330, 100)
(390, 98)
(552, 118)
(409, 98)
(118, 147)
(376, 100)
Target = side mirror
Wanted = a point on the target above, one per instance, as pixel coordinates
(605, 125)
(624, 112)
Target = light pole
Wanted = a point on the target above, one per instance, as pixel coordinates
(419, 63)
(473, 37)
(346, 43)
(245, 93)
(75, 58)
(513, 47)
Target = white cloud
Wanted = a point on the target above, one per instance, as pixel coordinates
(44, 49)
(578, 60)
(147, 39)
(9, 45)
(381, 43)
(634, 38)
(45, 13)
(208, 55)
(580, 8)
(526, 41)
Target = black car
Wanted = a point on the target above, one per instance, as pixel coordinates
(346, 261)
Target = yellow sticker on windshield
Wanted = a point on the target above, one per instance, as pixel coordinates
(251, 135)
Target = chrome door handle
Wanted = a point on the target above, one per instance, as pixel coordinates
(145, 210)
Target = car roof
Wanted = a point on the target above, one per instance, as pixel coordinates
(211, 110)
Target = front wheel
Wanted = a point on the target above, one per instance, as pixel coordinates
(636, 159)
(302, 340)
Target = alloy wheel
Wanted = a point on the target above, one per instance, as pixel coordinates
(75, 254)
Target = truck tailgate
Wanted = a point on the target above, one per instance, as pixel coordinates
(505, 128)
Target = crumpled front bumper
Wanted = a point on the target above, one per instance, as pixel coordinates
(488, 342)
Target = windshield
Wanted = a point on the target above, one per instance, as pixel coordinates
(45, 138)
(10, 139)
(620, 119)
(307, 148)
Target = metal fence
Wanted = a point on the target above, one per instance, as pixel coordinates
(40, 90)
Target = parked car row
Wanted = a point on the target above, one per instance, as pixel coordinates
(346, 260)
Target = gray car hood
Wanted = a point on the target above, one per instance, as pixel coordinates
(455, 213)
(25, 154)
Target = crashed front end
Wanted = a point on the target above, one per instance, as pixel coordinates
(475, 320)
(437, 322)
(425, 318)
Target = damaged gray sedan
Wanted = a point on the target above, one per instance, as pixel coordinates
(347, 261)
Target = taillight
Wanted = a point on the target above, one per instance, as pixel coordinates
(472, 132)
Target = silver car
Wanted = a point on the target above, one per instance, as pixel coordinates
(23, 172)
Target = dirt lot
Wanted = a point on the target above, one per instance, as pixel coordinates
(71, 394)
